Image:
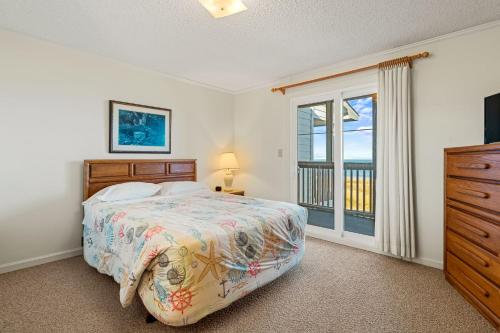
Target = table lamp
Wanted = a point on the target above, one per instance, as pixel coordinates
(229, 163)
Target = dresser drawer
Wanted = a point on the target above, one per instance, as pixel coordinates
(478, 258)
(474, 228)
(484, 195)
(483, 290)
(484, 166)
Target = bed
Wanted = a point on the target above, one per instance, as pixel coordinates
(186, 255)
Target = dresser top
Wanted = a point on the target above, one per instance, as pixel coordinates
(488, 147)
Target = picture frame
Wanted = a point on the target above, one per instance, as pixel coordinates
(139, 129)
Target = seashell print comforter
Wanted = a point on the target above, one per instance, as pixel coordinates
(190, 255)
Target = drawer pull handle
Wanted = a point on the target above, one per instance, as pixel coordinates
(475, 194)
(474, 283)
(480, 166)
(473, 256)
(473, 229)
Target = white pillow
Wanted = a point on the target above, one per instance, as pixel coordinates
(183, 187)
(128, 191)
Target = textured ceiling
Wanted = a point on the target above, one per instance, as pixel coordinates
(269, 41)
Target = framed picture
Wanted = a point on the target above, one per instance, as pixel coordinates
(135, 128)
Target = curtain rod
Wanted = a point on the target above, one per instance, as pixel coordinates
(388, 63)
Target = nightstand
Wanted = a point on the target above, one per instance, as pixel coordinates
(236, 192)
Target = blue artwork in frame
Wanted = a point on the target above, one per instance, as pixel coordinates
(136, 128)
(140, 128)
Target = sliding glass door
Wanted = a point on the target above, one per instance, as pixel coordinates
(315, 162)
(359, 147)
(335, 161)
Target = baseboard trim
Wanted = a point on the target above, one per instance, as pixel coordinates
(429, 262)
(329, 235)
(25, 263)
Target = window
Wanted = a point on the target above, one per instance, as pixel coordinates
(314, 128)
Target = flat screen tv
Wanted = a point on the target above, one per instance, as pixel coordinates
(492, 119)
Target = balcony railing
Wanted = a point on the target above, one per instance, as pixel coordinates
(316, 184)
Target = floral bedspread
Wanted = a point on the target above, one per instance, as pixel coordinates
(191, 255)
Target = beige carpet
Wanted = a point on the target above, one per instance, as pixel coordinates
(335, 289)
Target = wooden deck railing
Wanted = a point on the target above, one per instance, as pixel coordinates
(316, 184)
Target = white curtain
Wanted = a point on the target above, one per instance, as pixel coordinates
(394, 197)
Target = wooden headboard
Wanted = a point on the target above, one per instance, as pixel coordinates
(98, 174)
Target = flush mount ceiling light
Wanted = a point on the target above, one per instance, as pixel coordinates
(222, 8)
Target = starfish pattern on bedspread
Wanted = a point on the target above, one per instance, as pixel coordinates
(210, 262)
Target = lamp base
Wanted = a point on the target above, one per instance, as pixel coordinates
(228, 181)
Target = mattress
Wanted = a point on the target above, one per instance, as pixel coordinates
(190, 255)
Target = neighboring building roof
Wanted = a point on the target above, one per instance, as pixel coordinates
(349, 114)
(319, 114)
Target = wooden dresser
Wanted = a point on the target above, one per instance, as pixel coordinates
(472, 226)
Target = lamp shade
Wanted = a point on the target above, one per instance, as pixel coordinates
(228, 161)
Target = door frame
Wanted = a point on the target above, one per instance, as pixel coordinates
(338, 234)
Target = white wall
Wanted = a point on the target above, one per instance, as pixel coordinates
(448, 87)
(54, 114)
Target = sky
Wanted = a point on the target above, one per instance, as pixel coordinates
(357, 134)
